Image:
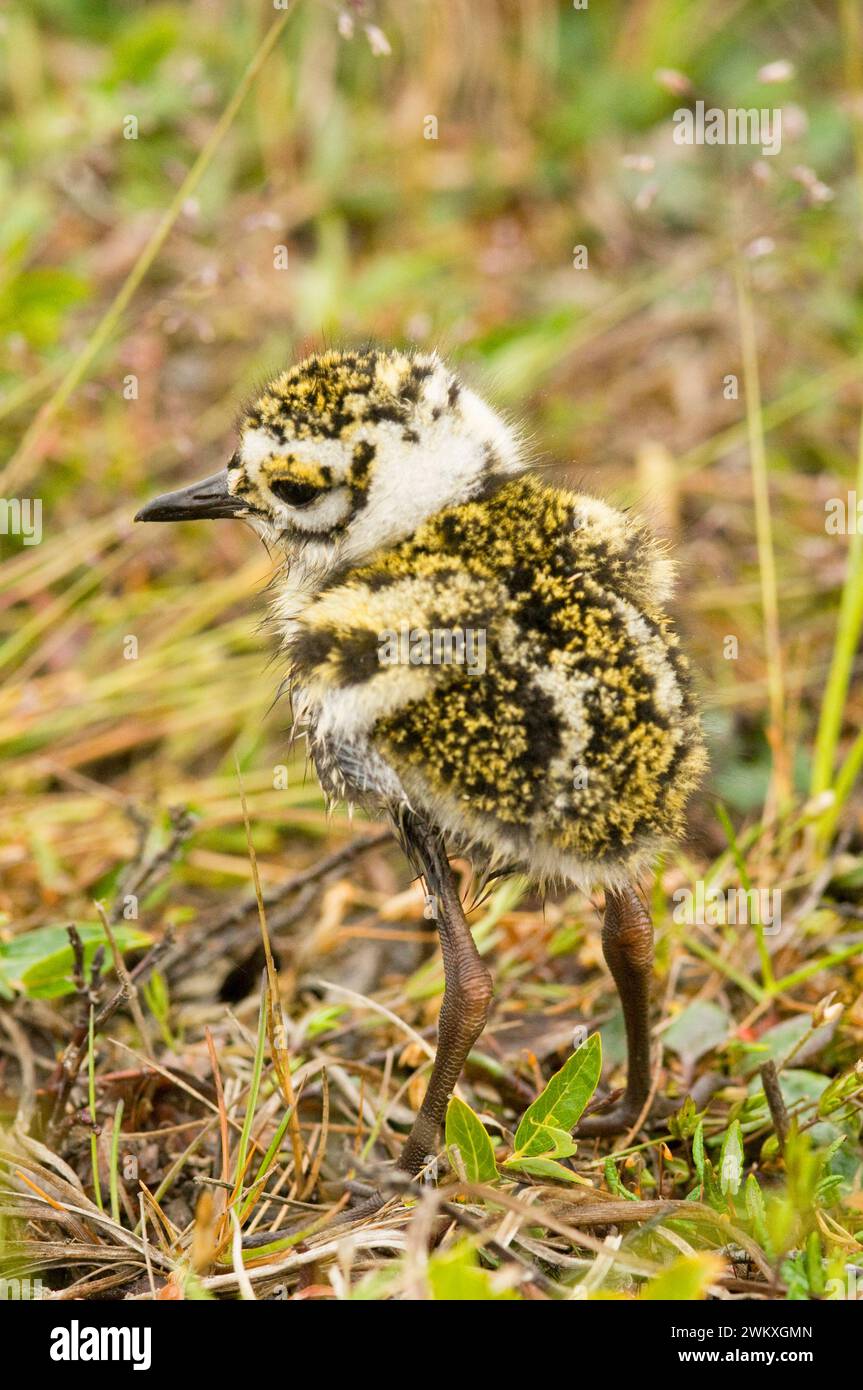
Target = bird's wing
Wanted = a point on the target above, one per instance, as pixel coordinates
(365, 648)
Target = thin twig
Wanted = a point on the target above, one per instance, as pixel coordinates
(127, 984)
(66, 1072)
(775, 1102)
(142, 874)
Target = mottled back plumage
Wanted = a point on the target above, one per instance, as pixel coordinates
(405, 508)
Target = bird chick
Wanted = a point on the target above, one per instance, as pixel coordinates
(481, 656)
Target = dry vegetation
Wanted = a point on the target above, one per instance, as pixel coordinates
(188, 1134)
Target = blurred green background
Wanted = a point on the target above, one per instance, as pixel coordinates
(189, 199)
(326, 214)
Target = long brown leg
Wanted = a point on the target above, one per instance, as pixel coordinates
(627, 944)
(467, 995)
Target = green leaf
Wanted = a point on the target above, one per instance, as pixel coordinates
(156, 995)
(713, 1193)
(698, 1149)
(756, 1211)
(782, 1224)
(815, 1264)
(612, 1178)
(323, 1019)
(560, 1105)
(545, 1168)
(455, 1276)
(560, 1143)
(706, 1174)
(684, 1281)
(684, 1123)
(840, 1089)
(466, 1134)
(39, 963)
(731, 1159)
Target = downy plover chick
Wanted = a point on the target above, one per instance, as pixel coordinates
(482, 657)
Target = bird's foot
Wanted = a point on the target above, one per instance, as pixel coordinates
(626, 1112)
(623, 1116)
(359, 1210)
(379, 1184)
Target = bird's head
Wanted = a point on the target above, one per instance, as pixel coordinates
(347, 452)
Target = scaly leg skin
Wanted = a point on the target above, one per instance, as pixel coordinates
(627, 944)
(463, 1015)
(467, 996)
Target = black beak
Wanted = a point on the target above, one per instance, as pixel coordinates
(204, 501)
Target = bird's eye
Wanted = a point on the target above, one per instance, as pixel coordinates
(294, 494)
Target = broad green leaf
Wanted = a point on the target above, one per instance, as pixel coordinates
(545, 1168)
(731, 1159)
(560, 1145)
(455, 1276)
(686, 1280)
(466, 1133)
(560, 1105)
(39, 963)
